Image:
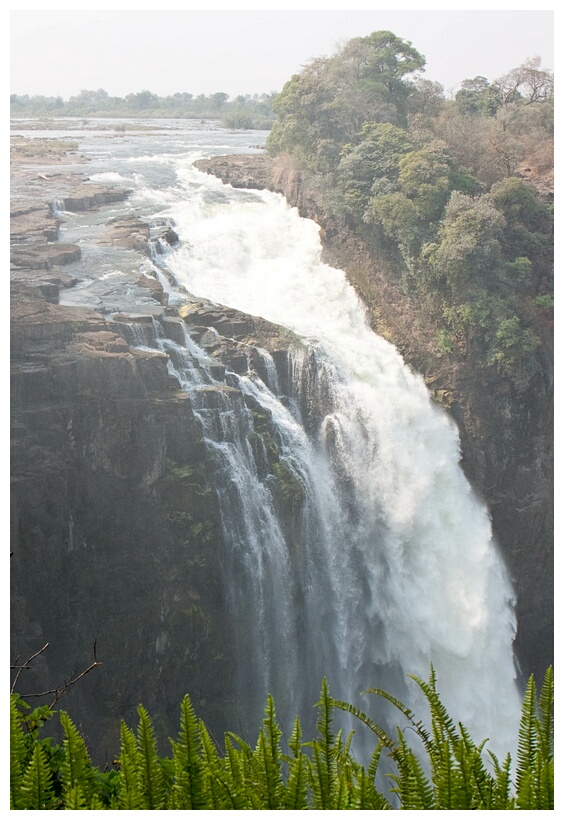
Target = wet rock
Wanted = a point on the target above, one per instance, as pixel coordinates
(41, 283)
(34, 224)
(127, 232)
(43, 256)
(249, 171)
(91, 196)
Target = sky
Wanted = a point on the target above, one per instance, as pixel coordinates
(61, 52)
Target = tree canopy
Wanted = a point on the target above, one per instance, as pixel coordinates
(434, 182)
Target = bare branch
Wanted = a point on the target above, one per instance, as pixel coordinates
(24, 666)
(59, 691)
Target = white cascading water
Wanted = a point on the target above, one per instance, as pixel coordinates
(393, 566)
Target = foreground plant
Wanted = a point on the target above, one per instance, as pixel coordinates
(318, 774)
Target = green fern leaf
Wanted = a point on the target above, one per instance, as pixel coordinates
(74, 799)
(190, 782)
(383, 737)
(266, 760)
(218, 791)
(18, 753)
(235, 780)
(152, 779)
(130, 794)
(323, 769)
(295, 796)
(76, 768)
(37, 790)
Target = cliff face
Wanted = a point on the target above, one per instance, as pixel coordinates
(116, 527)
(116, 532)
(507, 438)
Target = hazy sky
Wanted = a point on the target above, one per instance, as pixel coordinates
(59, 53)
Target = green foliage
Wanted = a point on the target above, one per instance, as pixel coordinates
(457, 776)
(376, 156)
(544, 301)
(478, 97)
(514, 351)
(468, 246)
(326, 106)
(446, 770)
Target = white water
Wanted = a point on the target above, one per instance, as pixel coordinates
(398, 565)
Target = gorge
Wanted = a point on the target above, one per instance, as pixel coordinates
(225, 495)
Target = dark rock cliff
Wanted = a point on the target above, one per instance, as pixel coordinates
(115, 523)
(507, 438)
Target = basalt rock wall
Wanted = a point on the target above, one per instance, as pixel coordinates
(116, 531)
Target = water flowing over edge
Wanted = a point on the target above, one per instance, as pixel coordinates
(411, 569)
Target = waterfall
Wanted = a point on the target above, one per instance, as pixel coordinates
(57, 207)
(359, 551)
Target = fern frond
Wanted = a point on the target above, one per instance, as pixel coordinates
(383, 737)
(295, 796)
(323, 768)
(412, 786)
(417, 725)
(442, 724)
(501, 798)
(130, 794)
(266, 760)
(366, 796)
(18, 753)
(76, 768)
(37, 790)
(235, 780)
(218, 792)
(248, 750)
(545, 722)
(152, 780)
(74, 799)
(190, 782)
(527, 733)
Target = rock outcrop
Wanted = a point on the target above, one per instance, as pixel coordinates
(507, 438)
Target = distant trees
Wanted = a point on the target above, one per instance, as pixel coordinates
(245, 111)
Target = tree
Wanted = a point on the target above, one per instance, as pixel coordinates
(218, 99)
(528, 83)
(376, 156)
(334, 97)
(143, 101)
(528, 232)
(425, 97)
(478, 97)
(468, 249)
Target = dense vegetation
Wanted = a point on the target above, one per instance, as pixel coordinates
(436, 186)
(244, 111)
(452, 773)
